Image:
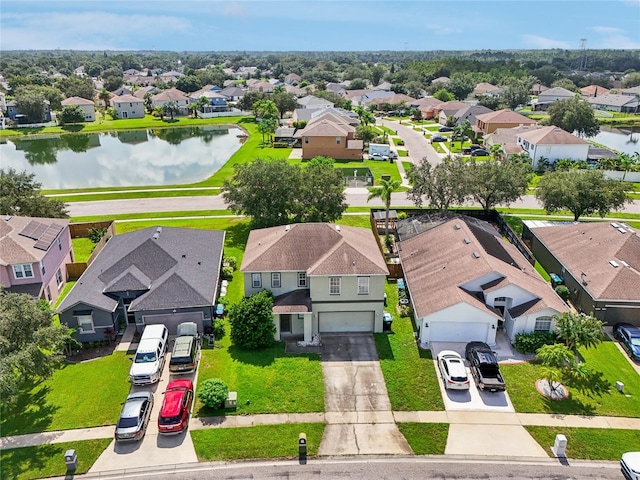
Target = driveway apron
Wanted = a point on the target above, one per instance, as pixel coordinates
(358, 411)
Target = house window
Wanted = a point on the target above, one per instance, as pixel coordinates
(256, 280)
(306, 139)
(302, 279)
(337, 140)
(500, 299)
(85, 324)
(363, 285)
(334, 285)
(59, 244)
(59, 277)
(23, 271)
(275, 280)
(42, 267)
(47, 293)
(543, 324)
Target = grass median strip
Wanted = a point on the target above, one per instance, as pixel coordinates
(425, 438)
(43, 461)
(124, 195)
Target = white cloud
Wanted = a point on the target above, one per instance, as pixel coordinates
(235, 9)
(618, 41)
(607, 30)
(442, 29)
(536, 41)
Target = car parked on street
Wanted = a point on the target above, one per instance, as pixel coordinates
(438, 138)
(629, 337)
(134, 417)
(444, 128)
(176, 407)
(452, 369)
(479, 152)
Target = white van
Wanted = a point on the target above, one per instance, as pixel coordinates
(150, 356)
(630, 465)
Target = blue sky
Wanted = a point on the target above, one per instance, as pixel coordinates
(318, 25)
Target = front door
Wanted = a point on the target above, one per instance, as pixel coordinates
(285, 323)
(131, 317)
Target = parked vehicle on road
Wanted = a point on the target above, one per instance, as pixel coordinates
(629, 337)
(134, 417)
(186, 349)
(378, 156)
(484, 367)
(479, 152)
(444, 128)
(630, 465)
(438, 138)
(452, 369)
(150, 356)
(176, 407)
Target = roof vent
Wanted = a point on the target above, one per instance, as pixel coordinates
(467, 241)
(624, 263)
(156, 235)
(476, 254)
(287, 228)
(338, 228)
(622, 230)
(457, 226)
(613, 263)
(7, 218)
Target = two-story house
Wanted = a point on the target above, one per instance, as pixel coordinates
(87, 106)
(128, 106)
(216, 101)
(552, 143)
(14, 113)
(33, 255)
(325, 278)
(489, 122)
(331, 136)
(171, 95)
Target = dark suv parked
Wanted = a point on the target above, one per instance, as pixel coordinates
(629, 337)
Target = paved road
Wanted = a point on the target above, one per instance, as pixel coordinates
(415, 143)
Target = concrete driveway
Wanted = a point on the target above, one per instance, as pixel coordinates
(358, 411)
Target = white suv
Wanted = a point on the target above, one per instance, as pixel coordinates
(150, 356)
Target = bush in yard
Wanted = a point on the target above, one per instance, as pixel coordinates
(231, 261)
(563, 292)
(218, 328)
(96, 234)
(227, 273)
(213, 392)
(406, 311)
(252, 321)
(531, 342)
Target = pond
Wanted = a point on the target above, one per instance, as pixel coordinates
(623, 140)
(148, 157)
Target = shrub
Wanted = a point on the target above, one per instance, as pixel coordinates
(218, 328)
(213, 392)
(402, 215)
(280, 144)
(252, 321)
(530, 342)
(233, 263)
(227, 273)
(406, 311)
(563, 292)
(96, 234)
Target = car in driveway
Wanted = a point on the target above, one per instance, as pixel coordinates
(452, 369)
(484, 367)
(629, 337)
(134, 417)
(479, 152)
(438, 138)
(176, 407)
(378, 156)
(444, 128)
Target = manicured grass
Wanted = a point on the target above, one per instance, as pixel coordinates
(386, 129)
(605, 358)
(47, 460)
(267, 381)
(82, 248)
(433, 127)
(262, 441)
(588, 443)
(543, 273)
(67, 288)
(138, 194)
(361, 221)
(77, 395)
(425, 438)
(407, 166)
(456, 147)
(398, 141)
(146, 215)
(402, 153)
(438, 148)
(408, 371)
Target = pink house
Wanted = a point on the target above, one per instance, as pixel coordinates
(33, 255)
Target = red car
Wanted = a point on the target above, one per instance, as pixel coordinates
(174, 414)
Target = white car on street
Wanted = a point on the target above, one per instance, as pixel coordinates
(453, 371)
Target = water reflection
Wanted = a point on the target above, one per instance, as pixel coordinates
(123, 158)
(623, 140)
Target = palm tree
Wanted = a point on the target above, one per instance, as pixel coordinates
(172, 108)
(497, 151)
(159, 111)
(384, 192)
(105, 96)
(194, 109)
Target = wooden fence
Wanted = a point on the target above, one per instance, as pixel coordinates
(81, 230)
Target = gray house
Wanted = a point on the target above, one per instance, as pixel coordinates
(156, 275)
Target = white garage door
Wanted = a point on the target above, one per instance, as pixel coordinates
(458, 332)
(172, 320)
(346, 322)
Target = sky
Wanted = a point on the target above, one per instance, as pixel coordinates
(299, 25)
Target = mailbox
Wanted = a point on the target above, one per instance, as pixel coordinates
(560, 446)
(71, 459)
(302, 448)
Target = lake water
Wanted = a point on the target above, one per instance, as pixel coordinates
(624, 140)
(147, 157)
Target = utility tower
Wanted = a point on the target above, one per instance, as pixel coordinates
(582, 65)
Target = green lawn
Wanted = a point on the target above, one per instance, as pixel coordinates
(43, 461)
(425, 438)
(76, 396)
(262, 441)
(398, 141)
(152, 193)
(588, 443)
(408, 371)
(438, 148)
(434, 127)
(377, 168)
(604, 358)
(387, 129)
(543, 273)
(407, 166)
(82, 248)
(402, 153)
(146, 215)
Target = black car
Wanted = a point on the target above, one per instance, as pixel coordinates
(438, 138)
(479, 152)
(444, 128)
(484, 367)
(629, 337)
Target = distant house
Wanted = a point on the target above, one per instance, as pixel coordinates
(217, 102)
(154, 275)
(122, 91)
(632, 92)
(298, 92)
(307, 114)
(465, 282)
(507, 138)
(470, 113)
(395, 99)
(17, 116)
(232, 93)
(171, 95)
(615, 103)
(538, 88)
(292, 79)
(87, 107)
(263, 87)
(142, 91)
(325, 278)
(33, 255)
(489, 122)
(329, 136)
(599, 262)
(593, 91)
(128, 106)
(552, 95)
(444, 110)
(552, 143)
(427, 106)
(484, 89)
(440, 80)
(3, 102)
(314, 102)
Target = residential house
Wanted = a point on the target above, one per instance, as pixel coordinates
(552, 95)
(393, 100)
(330, 136)
(489, 122)
(325, 278)
(443, 80)
(365, 97)
(216, 102)
(615, 103)
(285, 134)
(3, 102)
(593, 91)
(632, 92)
(386, 86)
(538, 88)
(232, 93)
(172, 95)
(552, 143)
(292, 79)
(142, 91)
(338, 88)
(466, 282)
(263, 87)
(170, 76)
(14, 114)
(122, 91)
(483, 89)
(99, 102)
(306, 114)
(599, 262)
(154, 275)
(33, 255)
(128, 106)
(507, 138)
(469, 113)
(427, 106)
(87, 106)
(444, 110)
(314, 102)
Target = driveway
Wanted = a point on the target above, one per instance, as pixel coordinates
(414, 141)
(358, 411)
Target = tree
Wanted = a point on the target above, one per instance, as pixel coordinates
(444, 95)
(31, 344)
(31, 104)
(321, 197)
(251, 321)
(266, 109)
(20, 195)
(493, 182)
(377, 72)
(189, 84)
(365, 116)
(555, 359)
(105, 96)
(366, 133)
(516, 91)
(582, 192)
(461, 85)
(248, 99)
(565, 83)
(578, 330)
(442, 185)
(267, 126)
(631, 80)
(383, 192)
(285, 102)
(171, 108)
(74, 86)
(71, 114)
(159, 111)
(574, 115)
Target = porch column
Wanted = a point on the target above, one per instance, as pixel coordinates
(308, 331)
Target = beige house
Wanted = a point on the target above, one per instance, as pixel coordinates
(330, 136)
(489, 122)
(325, 278)
(552, 143)
(128, 106)
(172, 95)
(87, 107)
